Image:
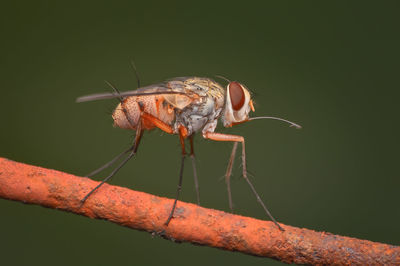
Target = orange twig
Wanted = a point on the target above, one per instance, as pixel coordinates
(191, 223)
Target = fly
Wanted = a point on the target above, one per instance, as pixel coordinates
(184, 106)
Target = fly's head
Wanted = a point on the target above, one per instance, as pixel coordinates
(238, 104)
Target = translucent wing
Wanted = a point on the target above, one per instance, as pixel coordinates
(179, 92)
(178, 100)
(174, 91)
(159, 89)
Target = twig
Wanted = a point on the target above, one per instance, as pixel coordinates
(191, 223)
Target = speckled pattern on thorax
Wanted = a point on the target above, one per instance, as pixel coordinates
(201, 114)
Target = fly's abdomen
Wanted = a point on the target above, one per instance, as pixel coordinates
(127, 114)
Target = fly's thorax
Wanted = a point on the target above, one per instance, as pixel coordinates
(127, 114)
(198, 115)
(238, 104)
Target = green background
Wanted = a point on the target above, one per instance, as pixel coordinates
(331, 66)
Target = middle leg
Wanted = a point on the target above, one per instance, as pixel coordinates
(178, 190)
(196, 181)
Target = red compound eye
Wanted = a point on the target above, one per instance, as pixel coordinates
(237, 95)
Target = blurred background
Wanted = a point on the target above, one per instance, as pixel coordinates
(331, 67)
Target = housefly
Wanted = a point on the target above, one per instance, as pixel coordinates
(184, 106)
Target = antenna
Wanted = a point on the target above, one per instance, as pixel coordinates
(276, 118)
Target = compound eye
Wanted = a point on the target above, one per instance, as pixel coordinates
(236, 94)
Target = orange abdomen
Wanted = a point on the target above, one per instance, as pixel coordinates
(154, 105)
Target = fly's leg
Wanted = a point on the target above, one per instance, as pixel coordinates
(132, 125)
(108, 164)
(157, 122)
(139, 133)
(178, 190)
(182, 135)
(228, 174)
(196, 181)
(226, 137)
(132, 150)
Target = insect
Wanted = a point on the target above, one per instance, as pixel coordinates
(184, 106)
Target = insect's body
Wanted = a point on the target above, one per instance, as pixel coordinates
(197, 108)
(183, 106)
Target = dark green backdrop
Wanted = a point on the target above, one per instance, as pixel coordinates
(331, 66)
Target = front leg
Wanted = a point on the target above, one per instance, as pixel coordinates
(235, 138)
(229, 173)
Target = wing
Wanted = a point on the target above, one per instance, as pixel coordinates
(158, 89)
(179, 92)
